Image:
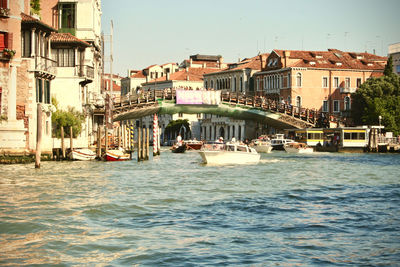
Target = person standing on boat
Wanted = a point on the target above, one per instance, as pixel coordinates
(179, 140)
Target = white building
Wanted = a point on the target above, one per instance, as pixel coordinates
(394, 52)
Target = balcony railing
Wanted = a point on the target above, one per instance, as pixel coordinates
(47, 65)
(85, 71)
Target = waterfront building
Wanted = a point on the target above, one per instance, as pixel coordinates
(76, 49)
(26, 78)
(237, 78)
(321, 80)
(394, 52)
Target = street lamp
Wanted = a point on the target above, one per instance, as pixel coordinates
(380, 118)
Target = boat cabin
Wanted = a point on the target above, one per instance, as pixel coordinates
(309, 136)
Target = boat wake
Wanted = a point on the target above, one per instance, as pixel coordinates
(269, 160)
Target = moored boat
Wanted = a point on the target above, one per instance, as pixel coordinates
(116, 155)
(296, 147)
(230, 153)
(82, 154)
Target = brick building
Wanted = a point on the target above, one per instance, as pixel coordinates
(321, 80)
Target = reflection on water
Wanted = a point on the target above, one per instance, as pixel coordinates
(288, 209)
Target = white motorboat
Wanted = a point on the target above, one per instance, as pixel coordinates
(279, 142)
(261, 146)
(230, 153)
(82, 154)
(296, 147)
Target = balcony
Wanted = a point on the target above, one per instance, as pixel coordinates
(347, 90)
(45, 67)
(85, 71)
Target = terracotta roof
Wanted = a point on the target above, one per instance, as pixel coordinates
(150, 66)
(138, 74)
(333, 59)
(248, 63)
(67, 38)
(25, 18)
(192, 74)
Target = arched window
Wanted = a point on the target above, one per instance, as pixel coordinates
(298, 79)
(265, 82)
(234, 84)
(347, 104)
(288, 81)
(205, 84)
(241, 84)
(212, 84)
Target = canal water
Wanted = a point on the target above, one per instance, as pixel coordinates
(320, 209)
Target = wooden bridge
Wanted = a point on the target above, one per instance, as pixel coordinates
(235, 105)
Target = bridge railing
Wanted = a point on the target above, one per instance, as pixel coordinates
(150, 97)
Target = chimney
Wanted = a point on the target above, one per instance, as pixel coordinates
(286, 55)
(220, 62)
(262, 61)
(191, 62)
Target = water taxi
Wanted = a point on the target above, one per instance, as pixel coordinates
(261, 145)
(279, 141)
(296, 147)
(229, 153)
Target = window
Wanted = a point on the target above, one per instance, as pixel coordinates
(47, 98)
(325, 82)
(180, 115)
(258, 84)
(212, 84)
(198, 115)
(336, 106)
(241, 84)
(5, 40)
(288, 80)
(234, 85)
(26, 43)
(3, 3)
(298, 79)
(67, 16)
(335, 82)
(398, 69)
(265, 82)
(347, 103)
(39, 91)
(64, 57)
(298, 101)
(347, 83)
(325, 106)
(358, 82)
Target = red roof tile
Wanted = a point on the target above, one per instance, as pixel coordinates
(25, 18)
(67, 38)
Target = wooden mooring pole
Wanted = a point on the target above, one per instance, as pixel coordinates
(38, 152)
(139, 144)
(98, 141)
(71, 139)
(147, 144)
(62, 142)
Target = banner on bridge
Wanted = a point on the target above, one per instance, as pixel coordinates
(198, 97)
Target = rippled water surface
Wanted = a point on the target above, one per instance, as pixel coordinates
(321, 209)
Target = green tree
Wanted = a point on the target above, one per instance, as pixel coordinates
(66, 118)
(174, 127)
(35, 7)
(379, 97)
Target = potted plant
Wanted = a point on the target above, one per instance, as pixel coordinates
(4, 12)
(8, 52)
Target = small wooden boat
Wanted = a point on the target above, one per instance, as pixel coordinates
(193, 144)
(178, 148)
(296, 147)
(116, 155)
(82, 154)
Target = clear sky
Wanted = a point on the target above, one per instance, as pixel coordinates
(150, 32)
